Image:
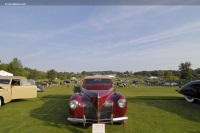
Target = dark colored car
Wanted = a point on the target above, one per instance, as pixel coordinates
(97, 102)
(40, 88)
(191, 91)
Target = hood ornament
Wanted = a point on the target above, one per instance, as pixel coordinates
(98, 95)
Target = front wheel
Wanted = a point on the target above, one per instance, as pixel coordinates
(190, 99)
(1, 102)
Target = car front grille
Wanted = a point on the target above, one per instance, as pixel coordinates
(90, 111)
(106, 110)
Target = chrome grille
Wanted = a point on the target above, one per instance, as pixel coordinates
(90, 111)
(106, 110)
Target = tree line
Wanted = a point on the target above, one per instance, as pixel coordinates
(184, 72)
(16, 68)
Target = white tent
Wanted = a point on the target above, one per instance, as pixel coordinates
(4, 73)
(72, 78)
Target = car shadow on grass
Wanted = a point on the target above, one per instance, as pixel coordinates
(18, 100)
(172, 104)
(53, 111)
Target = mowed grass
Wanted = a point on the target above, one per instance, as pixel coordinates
(151, 109)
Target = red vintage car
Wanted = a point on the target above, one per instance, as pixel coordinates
(97, 102)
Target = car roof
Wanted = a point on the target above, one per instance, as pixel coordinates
(194, 82)
(12, 77)
(98, 77)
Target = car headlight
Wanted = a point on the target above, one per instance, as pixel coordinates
(73, 104)
(121, 103)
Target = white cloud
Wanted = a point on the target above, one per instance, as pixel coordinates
(191, 27)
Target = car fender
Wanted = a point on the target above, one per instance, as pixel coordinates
(80, 98)
(117, 111)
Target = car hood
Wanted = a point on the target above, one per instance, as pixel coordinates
(98, 97)
(188, 90)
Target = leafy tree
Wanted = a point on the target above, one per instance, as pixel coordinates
(143, 73)
(160, 73)
(197, 71)
(185, 70)
(35, 74)
(16, 67)
(3, 66)
(63, 75)
(83, 73)
(176, 73)
(67, 75)
(154, 73)
(168, 75)
(51, 74)
(79, 76)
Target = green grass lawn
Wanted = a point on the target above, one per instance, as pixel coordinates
(151, 109)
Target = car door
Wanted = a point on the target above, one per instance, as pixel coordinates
(20, 91)
(197, 86)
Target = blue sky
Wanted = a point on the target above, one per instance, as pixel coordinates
(97, 38)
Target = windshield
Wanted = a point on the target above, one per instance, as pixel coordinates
(97, 81)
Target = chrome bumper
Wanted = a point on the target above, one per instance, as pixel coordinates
(76, 120)
(82, 120)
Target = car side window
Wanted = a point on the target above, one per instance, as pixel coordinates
(197, 86)
(15, 82)
(4, 81)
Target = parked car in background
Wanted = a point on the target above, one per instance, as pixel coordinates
(66, 81)
(191, 91)
(173, 84)
(31, 81)
(159, 83)
(167, 84)
(40, 88)
(97, 102)
(15, 87)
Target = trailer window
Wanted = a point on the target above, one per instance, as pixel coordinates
(4, 81)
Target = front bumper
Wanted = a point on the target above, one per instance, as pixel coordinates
(83, 120)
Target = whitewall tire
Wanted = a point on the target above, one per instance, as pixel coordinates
(0, 102)
(190, 99)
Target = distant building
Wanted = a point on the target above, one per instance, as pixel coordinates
(112, 76)
(73, 79)
(152, 77)
(4, 73)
